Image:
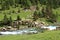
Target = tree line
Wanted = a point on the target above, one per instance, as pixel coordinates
(6, 4)
(47, 13)
(8, 21)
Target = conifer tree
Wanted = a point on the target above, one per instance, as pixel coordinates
(35, 16)
(5, 20)
(18, 19)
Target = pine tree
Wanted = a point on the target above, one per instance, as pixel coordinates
(10, 21)
(40, 14)
(18, 19)
(35, 16)
(5, 20)
(43, 12)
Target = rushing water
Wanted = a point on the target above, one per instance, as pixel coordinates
(25, 31)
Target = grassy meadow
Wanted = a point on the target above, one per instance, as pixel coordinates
(24, 14)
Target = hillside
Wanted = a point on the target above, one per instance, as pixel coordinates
(17, 7)
(24, 14)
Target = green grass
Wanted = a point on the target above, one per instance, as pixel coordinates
(23, 14)
(49, 35)
(57, 11)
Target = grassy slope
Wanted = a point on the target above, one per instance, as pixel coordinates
(51, 35)
(57, 11)
(24, 14)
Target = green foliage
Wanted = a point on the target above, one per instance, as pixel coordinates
(52, 19)
(43, 11)
(6, 4)
(40, 15)
(5, 20)
(35, 16)
(18, 18)
(10, 20)
(46, 12)
(50, 15)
